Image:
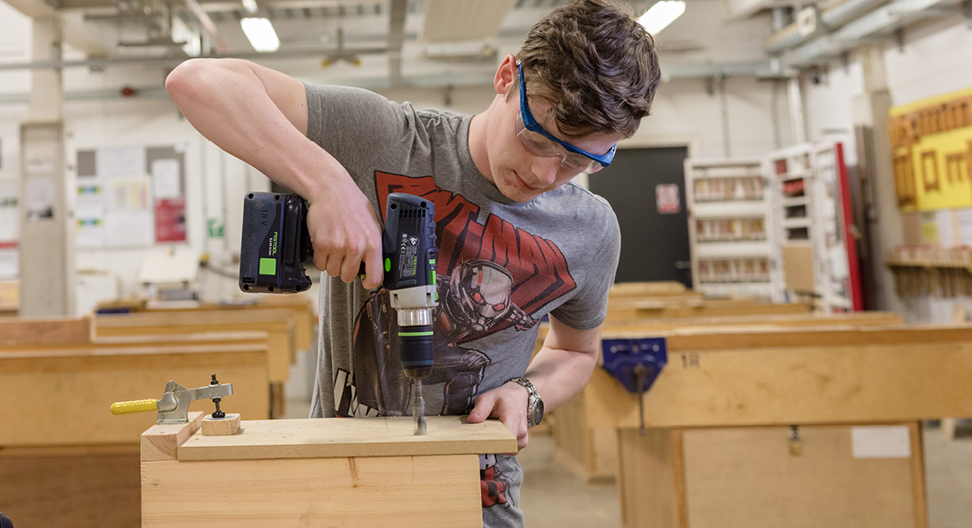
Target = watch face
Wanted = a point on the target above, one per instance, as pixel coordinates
(538, 412)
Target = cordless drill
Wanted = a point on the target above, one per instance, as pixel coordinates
(276, 243)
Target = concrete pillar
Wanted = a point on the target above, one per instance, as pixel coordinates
(46, 224)
(870, 110)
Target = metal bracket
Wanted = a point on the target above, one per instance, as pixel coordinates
(174, 404)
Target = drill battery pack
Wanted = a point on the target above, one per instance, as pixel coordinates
(275, 244)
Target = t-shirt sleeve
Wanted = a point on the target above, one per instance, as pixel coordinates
(588, 307)
(352, 124)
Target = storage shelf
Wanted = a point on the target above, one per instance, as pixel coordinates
(792, 202)
(730, 209)
(741, 249)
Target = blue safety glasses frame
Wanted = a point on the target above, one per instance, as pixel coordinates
(595, 163)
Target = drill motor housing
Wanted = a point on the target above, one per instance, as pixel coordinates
(276, 243)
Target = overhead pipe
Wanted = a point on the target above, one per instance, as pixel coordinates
(827, 20)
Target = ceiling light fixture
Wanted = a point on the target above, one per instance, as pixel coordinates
(260, 33)
(250, 6)
(660, 15)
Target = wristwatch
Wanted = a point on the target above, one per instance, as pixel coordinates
(534, 404)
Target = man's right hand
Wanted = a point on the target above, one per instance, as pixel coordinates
(345, 231)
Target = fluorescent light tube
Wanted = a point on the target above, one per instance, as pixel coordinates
(250, 6)
(660, 15)
(261, 34)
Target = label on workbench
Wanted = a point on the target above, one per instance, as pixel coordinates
(891, 441)
(408, 256)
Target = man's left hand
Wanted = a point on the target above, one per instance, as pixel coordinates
(508, 403)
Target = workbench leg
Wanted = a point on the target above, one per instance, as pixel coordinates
(918, 476)
(278, 404)
(651, 479)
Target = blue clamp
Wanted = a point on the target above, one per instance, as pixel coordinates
(636, 363)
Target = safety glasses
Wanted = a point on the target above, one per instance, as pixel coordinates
(541, 143)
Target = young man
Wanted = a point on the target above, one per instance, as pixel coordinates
(516, 240)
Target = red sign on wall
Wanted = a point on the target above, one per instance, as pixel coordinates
(170, 220)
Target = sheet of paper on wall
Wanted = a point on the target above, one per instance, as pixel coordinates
(131, 194)
(90, 230)
(9, 210)
(9, 260)
(120, 162)
(91, 194)
(165, 179)
(963, 217)
(40, 157)
(129, 229)
(946, 228)
(40, 195)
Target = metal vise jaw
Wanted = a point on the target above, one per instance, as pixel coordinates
(174, 405)
(636, 363)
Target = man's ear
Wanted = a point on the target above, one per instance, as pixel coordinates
(503, 81)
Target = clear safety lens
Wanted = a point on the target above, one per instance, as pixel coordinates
(540, 145)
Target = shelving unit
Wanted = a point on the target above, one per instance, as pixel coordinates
(809, 197)
(732, 245)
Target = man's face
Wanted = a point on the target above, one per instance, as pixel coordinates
(517, 170)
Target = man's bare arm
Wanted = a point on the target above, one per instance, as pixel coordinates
(260, 116)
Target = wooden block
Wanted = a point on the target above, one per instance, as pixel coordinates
(798, 267)
(651, 482)
(228, 425)
(162, 441)
(344, 437)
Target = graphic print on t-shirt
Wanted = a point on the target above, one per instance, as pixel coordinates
(492, 276)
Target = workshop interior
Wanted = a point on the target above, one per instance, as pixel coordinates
(787, 340)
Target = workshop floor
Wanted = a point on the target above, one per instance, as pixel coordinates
(553, 497)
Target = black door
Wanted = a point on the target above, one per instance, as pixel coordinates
(654, 230)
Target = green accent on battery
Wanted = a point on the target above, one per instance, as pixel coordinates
(268, 266)
(432, 276)
(412, 334)
(436, 297)
(387, 265)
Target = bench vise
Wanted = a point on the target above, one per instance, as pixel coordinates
(636, 363)
(173, 407)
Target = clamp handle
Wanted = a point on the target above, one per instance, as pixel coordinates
(135, 406)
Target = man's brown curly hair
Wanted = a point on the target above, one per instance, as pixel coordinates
(595, 65)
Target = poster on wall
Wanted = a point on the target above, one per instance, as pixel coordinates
(170, 220)
(130, 197)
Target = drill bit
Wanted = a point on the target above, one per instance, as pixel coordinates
(418, 407)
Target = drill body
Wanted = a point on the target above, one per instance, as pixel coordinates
(276, 243)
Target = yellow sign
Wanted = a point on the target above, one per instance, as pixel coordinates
(931, 142)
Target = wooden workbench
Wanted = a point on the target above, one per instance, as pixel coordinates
(716, 451)
(320, 472)
(65, 460)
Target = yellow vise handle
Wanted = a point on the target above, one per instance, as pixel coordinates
(136, 406)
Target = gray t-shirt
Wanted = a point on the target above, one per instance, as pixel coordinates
(502, 267)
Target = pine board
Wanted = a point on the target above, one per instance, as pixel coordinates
(343, 437)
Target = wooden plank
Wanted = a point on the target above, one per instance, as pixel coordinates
(75, 390)
(300, 308)
(769, 386)
(359, 437)
(680, 340)
(162, 441)
(17, 332)
(280, 336)
(918, 485)
(648, 484)
(748, 478)
(643, 289)
(400, 491)
(784, 320)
